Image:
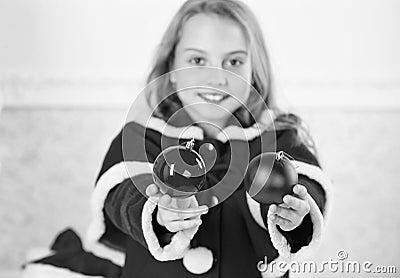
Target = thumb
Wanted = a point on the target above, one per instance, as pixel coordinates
(165, 201)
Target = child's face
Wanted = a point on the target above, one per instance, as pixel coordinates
(212, 41)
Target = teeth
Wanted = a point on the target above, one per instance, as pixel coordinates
(212, 97)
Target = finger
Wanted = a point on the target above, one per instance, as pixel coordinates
(171, 216)
(286, 213)
(165, 201)
(151, 190)
(283, 223)
(300, 191)
(175, 226)
(294, 203)
(194, 211)
(187, 215)
(183, 203)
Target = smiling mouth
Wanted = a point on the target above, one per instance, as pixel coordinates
(213, 97)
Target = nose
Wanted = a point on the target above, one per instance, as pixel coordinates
(216, 77)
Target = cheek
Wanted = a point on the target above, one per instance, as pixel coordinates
(240, 89)
(182, 98)
(187, 78)
(242, 86)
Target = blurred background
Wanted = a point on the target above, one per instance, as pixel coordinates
(70, 69)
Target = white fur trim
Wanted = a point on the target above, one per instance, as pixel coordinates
(234, 132)
(278, 240)
(113, 176)
(280, 243)
(238, 133)
(102, 251)
(231, 132)
(180, 242)
(255, 211)
(51, 271)
(318, 221)
(198, 260)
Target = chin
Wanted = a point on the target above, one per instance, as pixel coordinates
(209, 116)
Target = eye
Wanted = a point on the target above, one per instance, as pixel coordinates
(234, 62)
(197, 61)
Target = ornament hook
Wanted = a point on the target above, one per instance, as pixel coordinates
(190, 144)
(280, 155)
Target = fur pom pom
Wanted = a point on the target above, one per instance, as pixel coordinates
(198, 260)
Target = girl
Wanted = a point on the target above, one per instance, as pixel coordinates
(231, 238)
(223, 233)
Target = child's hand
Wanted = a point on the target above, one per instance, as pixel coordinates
(291, 212)
(176, 214)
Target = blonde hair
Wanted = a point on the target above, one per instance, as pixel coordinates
(262, 80)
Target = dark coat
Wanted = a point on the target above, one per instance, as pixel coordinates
(237, 241)
(236, 231)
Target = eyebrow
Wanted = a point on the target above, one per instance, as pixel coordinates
(203, 51)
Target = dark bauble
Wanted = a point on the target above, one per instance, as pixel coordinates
(179, 171)
(269, 177)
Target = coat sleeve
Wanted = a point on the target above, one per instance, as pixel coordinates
(119, 205)
(301, 242)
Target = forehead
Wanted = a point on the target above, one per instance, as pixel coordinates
(209, 31)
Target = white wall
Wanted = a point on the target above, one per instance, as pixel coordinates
(79, 49)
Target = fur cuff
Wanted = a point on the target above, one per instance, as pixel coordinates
(280, 243)
(180, 242)
(198, 260)
(113, 176)
(318, 220)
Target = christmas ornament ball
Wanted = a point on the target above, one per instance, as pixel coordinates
(269, 177)
(179, 171)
